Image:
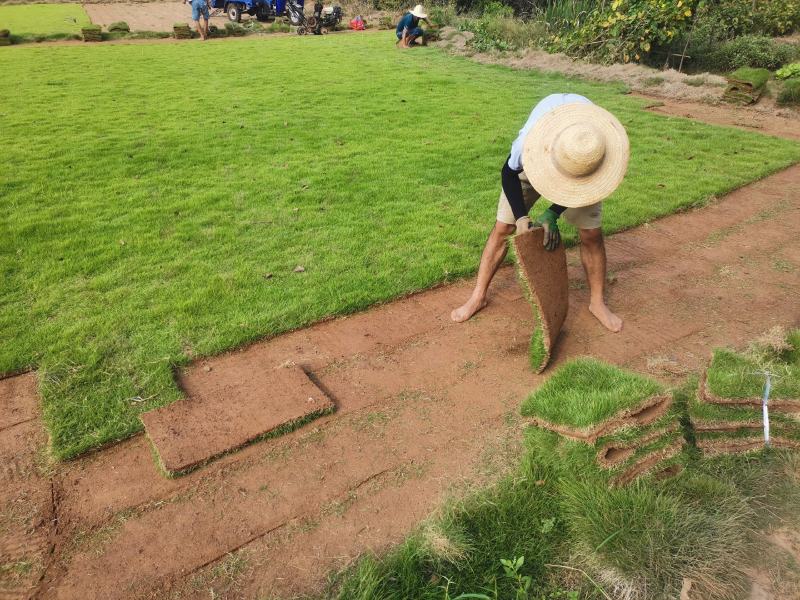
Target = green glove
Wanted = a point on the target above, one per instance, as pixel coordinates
(552, 237)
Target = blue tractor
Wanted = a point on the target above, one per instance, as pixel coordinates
(263, 10)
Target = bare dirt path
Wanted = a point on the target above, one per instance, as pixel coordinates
(146, 16)
(425, 408)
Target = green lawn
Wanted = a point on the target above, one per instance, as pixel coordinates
(148, 190)
(43, 19)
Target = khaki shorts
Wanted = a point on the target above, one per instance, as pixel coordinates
(585, 217)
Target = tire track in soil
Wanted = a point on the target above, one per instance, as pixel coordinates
(425, 407)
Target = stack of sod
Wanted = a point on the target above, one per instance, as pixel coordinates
(602, 420)
(745, 85)
(92, 33)
(182, 31)
(119, 26)
(5, 37)
(726, 414)
(234, 29)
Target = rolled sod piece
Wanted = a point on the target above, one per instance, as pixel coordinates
(119, 26)
(586, 399)
(736, 379)
(543, 276)
(709, 417)
(5, 33)
(616, 450)
(4, 41)
(742, 441)
(182, 31)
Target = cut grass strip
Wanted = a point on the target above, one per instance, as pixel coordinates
(586, 399)
(137, 234)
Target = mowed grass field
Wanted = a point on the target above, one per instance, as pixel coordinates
(157, 198)
(43, 19)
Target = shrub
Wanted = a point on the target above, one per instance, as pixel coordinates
(441, 16)
(627, 30)
(790, 94)
(748, 51)
(385, 22)
(497, 29)
(792, 70)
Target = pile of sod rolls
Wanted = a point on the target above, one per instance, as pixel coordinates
(182, 31)
(727, 413)
(92, 33)
(603, 422)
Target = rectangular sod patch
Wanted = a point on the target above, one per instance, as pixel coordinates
(223, 413)
(587, 399)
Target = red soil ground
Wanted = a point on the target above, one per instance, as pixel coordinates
(425, 409)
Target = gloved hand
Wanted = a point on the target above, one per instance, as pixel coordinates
(552, 236)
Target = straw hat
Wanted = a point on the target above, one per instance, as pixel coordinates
(576, 154)
(419, 12)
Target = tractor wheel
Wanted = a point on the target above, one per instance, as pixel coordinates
(234, 12)
(311, 22)
(262, 13)
(324, 30)
(301, 30)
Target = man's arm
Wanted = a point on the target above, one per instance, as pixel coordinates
(512, 188)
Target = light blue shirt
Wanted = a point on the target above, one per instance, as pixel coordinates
(545, 106)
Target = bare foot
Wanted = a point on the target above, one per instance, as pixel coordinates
(609, 320)
(464, 313)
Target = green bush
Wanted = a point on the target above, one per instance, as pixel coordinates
(789, 71)
(385, 22)
(746, 51)
(790, 94)
(497, 29)
(626, 30)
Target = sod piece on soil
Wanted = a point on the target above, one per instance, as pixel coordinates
(745, 85)
(586, 399)
(543, 276)
(221, 414)
(5, 37)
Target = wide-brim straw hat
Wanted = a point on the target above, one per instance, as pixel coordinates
(419, 12)
(576, 154)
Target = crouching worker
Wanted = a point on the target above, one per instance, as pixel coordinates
(575, 154)
(409, 33)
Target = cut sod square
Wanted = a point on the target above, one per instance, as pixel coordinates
(223, 413)
(746, 439)
(586, 399)
(737, 379)
(543, 276)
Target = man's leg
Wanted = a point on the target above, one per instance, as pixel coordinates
(593, 257)
(205, 27)
(492, 257)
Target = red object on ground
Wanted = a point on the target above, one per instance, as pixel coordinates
(357, 24)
